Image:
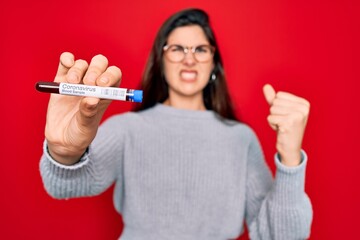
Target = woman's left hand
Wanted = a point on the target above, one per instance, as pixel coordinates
(288, 117)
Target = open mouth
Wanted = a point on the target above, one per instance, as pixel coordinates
(188, 75)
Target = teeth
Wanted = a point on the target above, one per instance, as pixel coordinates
(188, 75)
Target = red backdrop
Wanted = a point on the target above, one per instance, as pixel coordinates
(309, 48)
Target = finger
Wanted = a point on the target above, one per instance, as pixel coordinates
(97, 66)
(276, 122)
(280, 110)
(269, 93)
(91, 110)
(292, 98)
(88, 109)
(65, 63)
(77, 71)
(111, 77)
(284, 102)
(284, 106)
(273, 124)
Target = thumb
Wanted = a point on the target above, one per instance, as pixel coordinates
(88, 109)
(269, 93)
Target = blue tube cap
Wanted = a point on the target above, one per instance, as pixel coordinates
(138, 96)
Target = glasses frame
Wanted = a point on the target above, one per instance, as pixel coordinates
(186, 50)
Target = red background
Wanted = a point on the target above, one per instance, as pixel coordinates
(309, 48)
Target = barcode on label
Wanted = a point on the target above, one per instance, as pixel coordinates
(105, 91)
(113, 92)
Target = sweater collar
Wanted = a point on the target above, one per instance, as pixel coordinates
(183, 113)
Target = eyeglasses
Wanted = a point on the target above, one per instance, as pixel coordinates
(176, 53)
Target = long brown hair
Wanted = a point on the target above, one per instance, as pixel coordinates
(154, 85)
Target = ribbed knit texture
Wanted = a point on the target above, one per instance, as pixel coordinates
(186, 175)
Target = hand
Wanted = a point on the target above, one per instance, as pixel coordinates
(288, 117)
(72, 122)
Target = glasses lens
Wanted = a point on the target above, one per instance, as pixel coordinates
(175, 53)
(203, 53)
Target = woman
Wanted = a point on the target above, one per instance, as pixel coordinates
(184, 168)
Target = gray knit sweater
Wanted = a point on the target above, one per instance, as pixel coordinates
(186, 175)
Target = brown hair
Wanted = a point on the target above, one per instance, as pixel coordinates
(155, 88)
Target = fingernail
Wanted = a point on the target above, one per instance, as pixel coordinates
(104, 80)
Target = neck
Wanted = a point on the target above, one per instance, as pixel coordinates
(188, 103)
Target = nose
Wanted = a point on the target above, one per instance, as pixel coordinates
(189, 58)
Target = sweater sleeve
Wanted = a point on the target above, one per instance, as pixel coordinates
(97, 170)
(279, 208)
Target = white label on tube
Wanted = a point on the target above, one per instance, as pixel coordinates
(92, 91)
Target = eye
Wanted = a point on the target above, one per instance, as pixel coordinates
(176, 48)
(202, 49)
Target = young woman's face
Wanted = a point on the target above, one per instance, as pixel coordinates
(187, 74)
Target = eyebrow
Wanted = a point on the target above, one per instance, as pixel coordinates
(196, 45)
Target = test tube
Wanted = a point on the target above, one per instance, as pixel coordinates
(112, 93)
